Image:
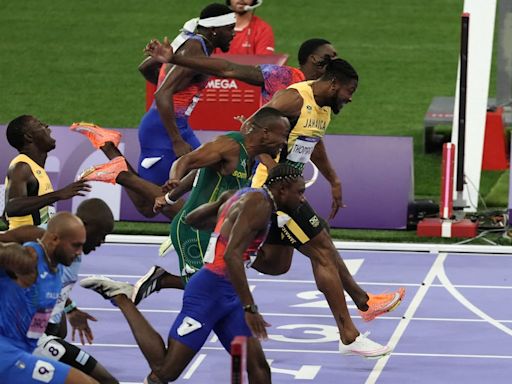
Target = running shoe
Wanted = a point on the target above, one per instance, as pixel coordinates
(147, 284)
(107, 172)
(364, 347)
(107, 287)
(97, 135)
(382, 303)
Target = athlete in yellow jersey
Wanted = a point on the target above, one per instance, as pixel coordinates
(308, 105)
(28, 190)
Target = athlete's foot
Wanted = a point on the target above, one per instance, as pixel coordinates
(382, 303)
(97, 136)
(148, 284)
(107, 172)
(106, 287)
(364, 347)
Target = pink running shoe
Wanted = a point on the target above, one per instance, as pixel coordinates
(382, 303)
(107, 172)
(96, 135)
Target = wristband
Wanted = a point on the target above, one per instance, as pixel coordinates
(70, 307)
(168, 200)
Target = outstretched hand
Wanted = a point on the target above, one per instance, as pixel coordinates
(161, 52)
(79, 322)
(257, 325)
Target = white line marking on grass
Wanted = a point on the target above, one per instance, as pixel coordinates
(409, 314)
(466, 303)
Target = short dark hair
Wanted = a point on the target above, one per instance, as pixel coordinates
(263, 115)
(214, 9)
(339, 69)
(16, 130)
(309, 47)
(283, 172)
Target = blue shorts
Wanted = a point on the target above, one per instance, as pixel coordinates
(155, 143)
(20, 366)
(209, 303)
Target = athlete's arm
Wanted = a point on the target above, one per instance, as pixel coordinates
(204, 217)
(163, 52)
(177, 79)
(149, 68)
(18, 203)
(320, 159)
(252, 217)
(22, 234)
(214, 153)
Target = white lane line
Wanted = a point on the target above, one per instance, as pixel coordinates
(319, 352)
(291, 281)
(466, 303)
(193, 367)
(311, 315)
(409, 314)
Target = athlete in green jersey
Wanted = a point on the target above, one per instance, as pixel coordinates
(224, 164)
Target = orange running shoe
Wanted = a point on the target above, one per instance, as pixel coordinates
(96, 135)
(107, 172)
(382, 303)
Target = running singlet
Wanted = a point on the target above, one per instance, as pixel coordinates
(214, 258)
(277, 77)
(190, 244)
(304, 135)
(26, 311)
(43, 186)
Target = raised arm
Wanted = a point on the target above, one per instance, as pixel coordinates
(320, 159)
(162, 52)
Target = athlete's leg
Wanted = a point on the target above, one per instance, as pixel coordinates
(329, 283)
(58, 349)
(258, 369)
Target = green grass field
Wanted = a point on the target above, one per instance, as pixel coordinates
(74, 60)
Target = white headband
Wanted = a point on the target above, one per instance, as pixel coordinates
(218, 21)
(191, 25)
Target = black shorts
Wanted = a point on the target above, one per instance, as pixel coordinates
(304, 224)
(56, 348)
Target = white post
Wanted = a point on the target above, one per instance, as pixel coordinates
(481, 33)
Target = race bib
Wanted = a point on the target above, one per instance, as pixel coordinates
(209, 255)
(302, 149)
(39, 323)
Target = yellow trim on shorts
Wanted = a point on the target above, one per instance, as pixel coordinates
(296, 230)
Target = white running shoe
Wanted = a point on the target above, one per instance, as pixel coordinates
(363, 346)
(106, 287)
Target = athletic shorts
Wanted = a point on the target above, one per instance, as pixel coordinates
(156, 154)
(20, 366)
(209, 303)
(190, 245)
(55, 348)
(296, 228)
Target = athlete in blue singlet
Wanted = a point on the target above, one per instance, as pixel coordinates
(164, 132)
(30, 283)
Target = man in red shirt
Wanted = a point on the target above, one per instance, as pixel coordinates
(253, 36)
